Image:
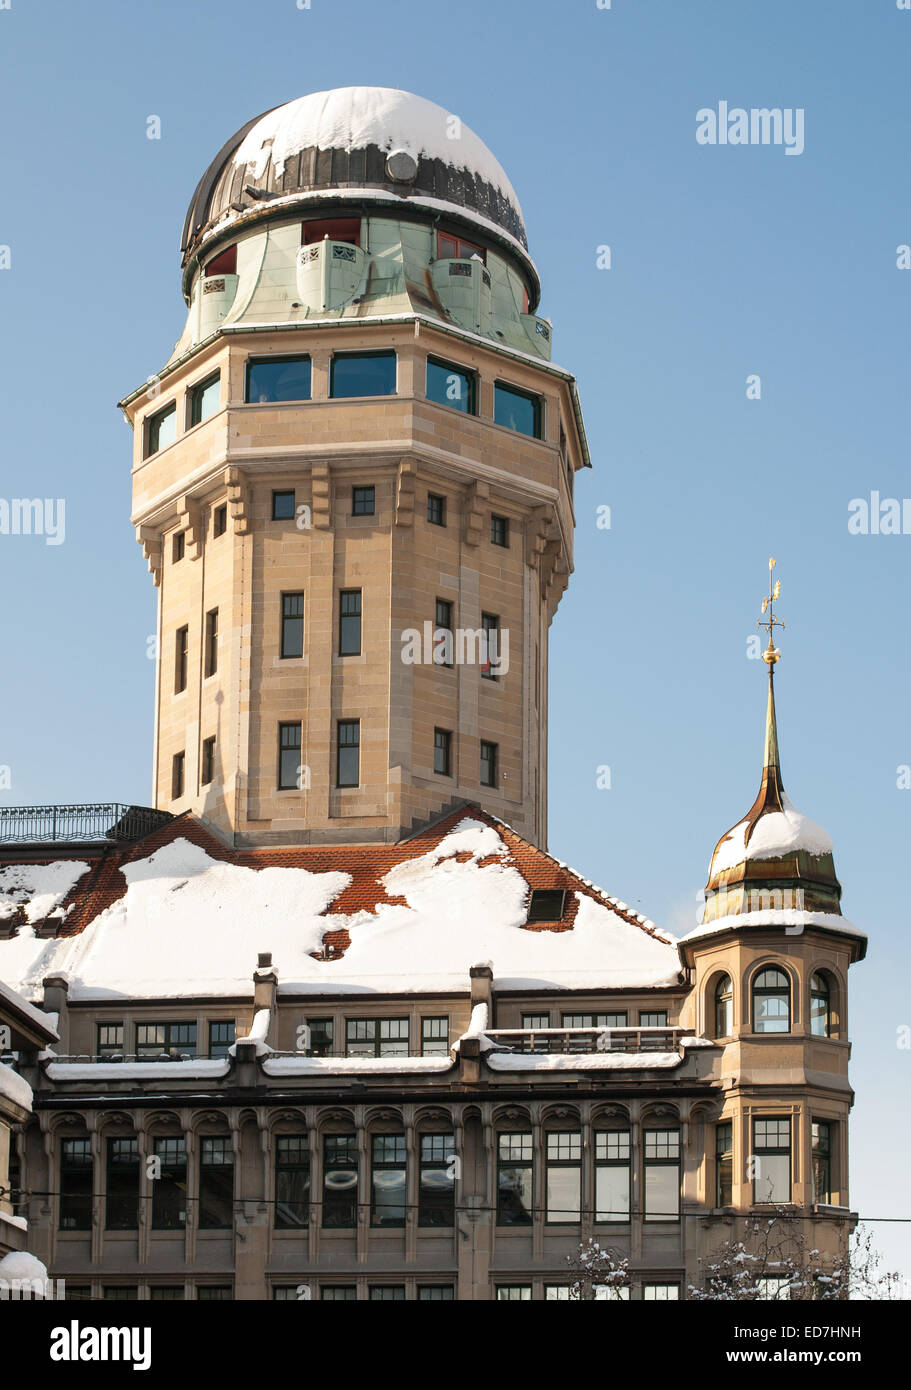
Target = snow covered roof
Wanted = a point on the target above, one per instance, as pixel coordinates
(179, 915)
(774, 834)
(367, 139)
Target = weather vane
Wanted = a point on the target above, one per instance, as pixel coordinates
(771, 653)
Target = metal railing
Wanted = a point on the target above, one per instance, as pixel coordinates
(587, 1040)
(111, 821)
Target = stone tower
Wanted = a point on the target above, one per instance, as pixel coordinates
(353, 482)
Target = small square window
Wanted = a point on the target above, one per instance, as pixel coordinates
(435, 1036)
(546, 905)
(110, 1040)
(221, 1037)
(220, 520)
(436, 509)
(283, 506)
(363, 501)
(499, 530)
(178, 547)
(442, 752)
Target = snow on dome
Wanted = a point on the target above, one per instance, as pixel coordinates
(352, 118)
(775, 834)
(19, 1264)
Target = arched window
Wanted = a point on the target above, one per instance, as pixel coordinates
(771, 1002)
(820, 1006)
(724, 1007)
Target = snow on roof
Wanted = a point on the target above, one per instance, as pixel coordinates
(191, 923)
(15, 1001)
(586, 1061)
(775, 834)
(777, 917)
(14, 1087)
(38, 889)
(351, 118)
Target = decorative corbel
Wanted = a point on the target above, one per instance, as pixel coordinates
(189, 518)
(238, 500)
(151, 543)
(478, 496)
(405, 490)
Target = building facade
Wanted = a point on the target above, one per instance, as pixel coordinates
(332, 1023)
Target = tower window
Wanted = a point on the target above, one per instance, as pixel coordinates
(772, 1160)
(220, 520)
(177, 775)
(820, 1006)
(208, 760)
(225, 263)
(283, 506)
(363, 501)
(450, 385)
(211, 665)
(178, 547)
(489, 764)
(362, 374)
(335, 228)
(450, 247)
(348, 753)
(822, 1161)
(771, 1002)
(442, 752)
(499, 530)
(205, 398)
(271, 379)
(546, 905)
(289, 756)
(292, 642)
(349, 622)
(181, 647)
(724, 1007)
(161, 429)
(442, 636)
(436, 509)
(517, 410)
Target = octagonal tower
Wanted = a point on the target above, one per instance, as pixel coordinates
(353, 483)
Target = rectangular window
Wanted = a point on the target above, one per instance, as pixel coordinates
(515, 1156)
(533, 1021)
(109, 1040)
(546, 905)
(490, 647)
(76, 1185)
(292, 639)
(178, 764)
(216, 1184)
(387, 1293)
(436, 509)
(517, 410)
(772, 1160)
(348, 753)
(442, 752)
(283, 506)
(563, 1165)
(166, 1293)
(655, 1018)
(205, 399)
(339, 1293)
(321, 1034)
(78, 1293)
(612, 1175)
(339, 1181)
(435, 1036)
(122, 1188)
(335, 228)
(214, 1293)
(178, 546)
(220, 520)
(362, 374)
(292, 1181)
(221, 1037)
(376, 1037)
(443, 639)
(208, 760)
(289, 756)
(822, 1162)
(608, 1020)
(662, 1174)
(724, 1164)
(169, 1190)
(223, 263)
(660, 1293)
(277, 379)
(363, 501)
(181, 650)
(154, 1040)
(162, 429)
(211, 661)
(124, 1293)
(488, 764)
(449, 385)
(499, 530)
(436, 1188)
(452, 247)
(514, 1293)
(349, 622)
(436, 1293)
(387, 1183)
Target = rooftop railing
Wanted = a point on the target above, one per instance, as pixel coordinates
(587, 1040)
(105, 821)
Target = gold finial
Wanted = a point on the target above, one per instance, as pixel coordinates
(771, 653)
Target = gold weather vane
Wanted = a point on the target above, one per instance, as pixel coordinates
(771, 653)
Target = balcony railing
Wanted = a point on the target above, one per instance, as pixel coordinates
(111, 821)
(587, 1040)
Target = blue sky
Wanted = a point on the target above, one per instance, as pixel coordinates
(726, 262)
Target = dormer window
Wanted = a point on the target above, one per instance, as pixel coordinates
(546, 905)
(450, 247)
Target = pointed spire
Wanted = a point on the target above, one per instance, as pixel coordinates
(771, 756)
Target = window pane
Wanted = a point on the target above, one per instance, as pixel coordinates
(436, 1197)
(363, 501)
(363, 374)
(388, 1204)
(76, 1185)
(564, 1194)
(169, 1190)
(449, 385)
(206, 399)
(339, 1180)
(278, 379)
(662, 1192)
(283, 506)
(122, 1197)
(612, 1192)
(292, 640)
(292, 1180)
(517, 411)
(349, 633)
(216, 1183)
(163, 428)
(349, 753)
(660, 1293)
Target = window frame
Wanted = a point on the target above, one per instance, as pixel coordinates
(181, 658)
(213, 1185)
(339, 1213)
(382, 355)
(523, 1213)
(490, 622)
(499, 530)
(778, 1151)
(536, 401)
(822, 1157)
(211, 644)
(195, 396)
(271, 359)
(560, 1164)
(396, 1165)
(290, 618)
(724, 1163)
(219, 520)
(292, 1178)
(660, 1162)
(179, 775)
(283, 492)
(452, 369)
(207, 771)
(344, 632)
(442, 752)
(823, 991)
(768, 993)
(443, 609)
(491, 758)
(284, 748)
(723, 999)
(619, 1162)
(153, 425)
(359, 505)
(436, 509)
(345, 747)
(166, 1198)
(436, 1196)
(77, 1180)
